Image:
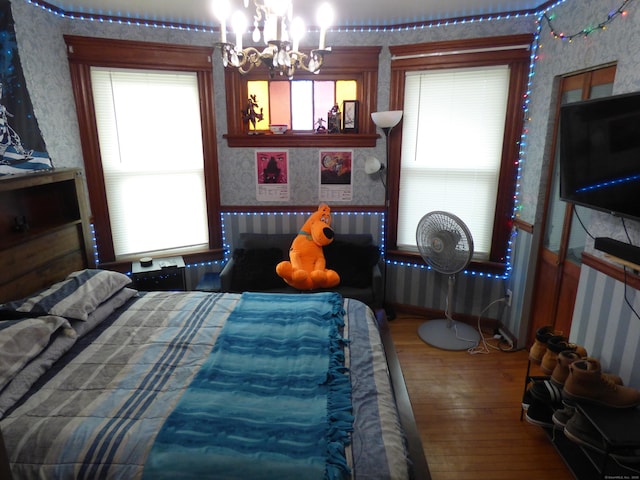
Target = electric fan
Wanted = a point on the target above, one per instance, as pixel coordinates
(446, 244)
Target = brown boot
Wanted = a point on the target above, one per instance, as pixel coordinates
(586, 383)
(539, 347)
(555, 345)
(561, 371)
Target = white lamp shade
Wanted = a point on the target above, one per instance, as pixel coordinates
(387, 119)
(372, 165)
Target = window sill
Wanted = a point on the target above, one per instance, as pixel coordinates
(291, 139)
(485, 267)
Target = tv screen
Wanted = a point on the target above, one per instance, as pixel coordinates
(600, 154)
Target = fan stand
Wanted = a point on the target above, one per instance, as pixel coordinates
(446, 333)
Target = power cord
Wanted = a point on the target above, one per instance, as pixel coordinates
(484, 347)
(624, 267)
(626, 298)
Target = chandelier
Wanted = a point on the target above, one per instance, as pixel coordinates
(274, 24)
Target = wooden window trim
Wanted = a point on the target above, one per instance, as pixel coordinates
(511, 50)
(343, 63)
(85, 52)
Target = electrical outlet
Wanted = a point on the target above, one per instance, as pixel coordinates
(508, 297)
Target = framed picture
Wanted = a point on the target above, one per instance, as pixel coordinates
(350, 116)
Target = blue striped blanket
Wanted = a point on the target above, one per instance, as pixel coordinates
(101, 410)
(291, 415)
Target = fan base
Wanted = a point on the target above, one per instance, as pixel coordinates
(448, 334)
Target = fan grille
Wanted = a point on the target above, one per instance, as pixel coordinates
(444, 241)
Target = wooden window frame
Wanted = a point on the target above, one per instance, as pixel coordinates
(84, 53)
(510, 50)
(343, 63)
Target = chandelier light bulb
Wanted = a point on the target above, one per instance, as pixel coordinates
(297, 32)
(325, 19)
(222, 9)
(239, 25)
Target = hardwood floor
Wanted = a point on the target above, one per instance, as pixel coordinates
(467, 408)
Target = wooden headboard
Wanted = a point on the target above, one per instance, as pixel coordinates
(44, 230)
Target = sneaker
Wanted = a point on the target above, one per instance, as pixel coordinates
(540, 414)
(555, 345)
(546, 392)
(587, 383)
(539, 347)
(561, 416)
(527, 399)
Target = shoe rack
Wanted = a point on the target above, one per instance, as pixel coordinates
(618, 429)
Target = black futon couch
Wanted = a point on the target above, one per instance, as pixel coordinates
(354, 256)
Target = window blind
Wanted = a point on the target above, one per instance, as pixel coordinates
(453, 129)
(150, 139)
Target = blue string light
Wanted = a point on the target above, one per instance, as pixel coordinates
(517, 208)
(147, 22)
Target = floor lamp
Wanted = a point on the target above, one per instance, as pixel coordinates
(385, 121)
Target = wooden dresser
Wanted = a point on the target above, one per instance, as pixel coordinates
(44, 230)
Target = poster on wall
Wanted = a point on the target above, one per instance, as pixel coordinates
(272, 175)
(22, 147)
(335, 175)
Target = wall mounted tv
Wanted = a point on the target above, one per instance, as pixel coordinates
(600, 154)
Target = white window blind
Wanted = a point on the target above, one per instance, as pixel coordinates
(452, 136)
(150, 138)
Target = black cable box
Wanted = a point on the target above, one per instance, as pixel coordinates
(619, 249)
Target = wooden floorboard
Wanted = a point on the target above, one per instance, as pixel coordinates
(467, 409)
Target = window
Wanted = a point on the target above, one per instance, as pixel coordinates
(151, 149)
(439, 172)
(147, 193)
(312, 100)
(348, 73)
(459, 143)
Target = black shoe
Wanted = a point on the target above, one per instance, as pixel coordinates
(561, 417)
(547, 392)
(540, 414)
(527, 399)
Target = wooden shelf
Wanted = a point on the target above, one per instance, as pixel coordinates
(292, 139)
(44, 230)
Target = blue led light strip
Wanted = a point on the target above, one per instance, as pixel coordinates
(146, 22)
(227, 247)
(609, 183)
(542, 16)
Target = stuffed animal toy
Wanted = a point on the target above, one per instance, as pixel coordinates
(306, 268)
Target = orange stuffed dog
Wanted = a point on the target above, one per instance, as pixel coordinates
(306, 269)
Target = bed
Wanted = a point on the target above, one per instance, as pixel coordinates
(98, 380)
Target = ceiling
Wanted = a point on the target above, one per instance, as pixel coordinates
(362, 13)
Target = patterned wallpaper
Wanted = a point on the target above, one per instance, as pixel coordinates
(620, 43)
(43, 55)
(44, 58)
(602, 320)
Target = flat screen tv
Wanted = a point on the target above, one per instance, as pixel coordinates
(600, 154)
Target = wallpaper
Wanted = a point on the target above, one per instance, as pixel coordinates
(43, 50)
(619, 42)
